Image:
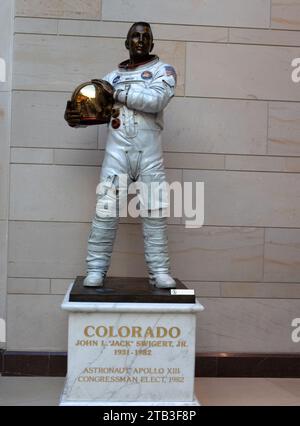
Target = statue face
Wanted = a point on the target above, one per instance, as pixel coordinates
(139, 42)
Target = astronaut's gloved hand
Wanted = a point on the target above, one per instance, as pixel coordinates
(120, 96)
(72, 116)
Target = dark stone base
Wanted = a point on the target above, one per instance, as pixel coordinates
(127, 290)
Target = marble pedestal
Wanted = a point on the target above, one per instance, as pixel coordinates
(128, 352)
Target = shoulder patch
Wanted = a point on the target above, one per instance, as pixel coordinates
(146, 75)
(170, 71)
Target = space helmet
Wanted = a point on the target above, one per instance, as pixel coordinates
(94, 100)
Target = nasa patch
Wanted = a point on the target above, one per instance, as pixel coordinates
(146, 75)
(171, 71)
(116, 79)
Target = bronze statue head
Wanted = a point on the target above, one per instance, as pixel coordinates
(139, 41)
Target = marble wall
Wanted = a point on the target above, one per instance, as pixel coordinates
(6, 39)
(234, 124)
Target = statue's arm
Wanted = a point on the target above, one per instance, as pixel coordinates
(155, 97)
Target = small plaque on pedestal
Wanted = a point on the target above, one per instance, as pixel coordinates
(130, 344)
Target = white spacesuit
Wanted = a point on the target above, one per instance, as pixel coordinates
(134, 149)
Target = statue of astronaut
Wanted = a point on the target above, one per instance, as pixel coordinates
(142, 87)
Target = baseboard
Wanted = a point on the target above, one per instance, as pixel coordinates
(51, 364)
(54, 364)
(248, 365)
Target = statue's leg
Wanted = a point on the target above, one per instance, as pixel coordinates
(103, 232)
(147, 171)
(154, 207)
(156, 251)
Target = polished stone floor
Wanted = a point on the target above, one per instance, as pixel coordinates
(210, 391)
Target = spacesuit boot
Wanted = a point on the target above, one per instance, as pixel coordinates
(156, 252)
(94, 279)
(100, 246)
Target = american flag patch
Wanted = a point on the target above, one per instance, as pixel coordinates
(171, 71)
